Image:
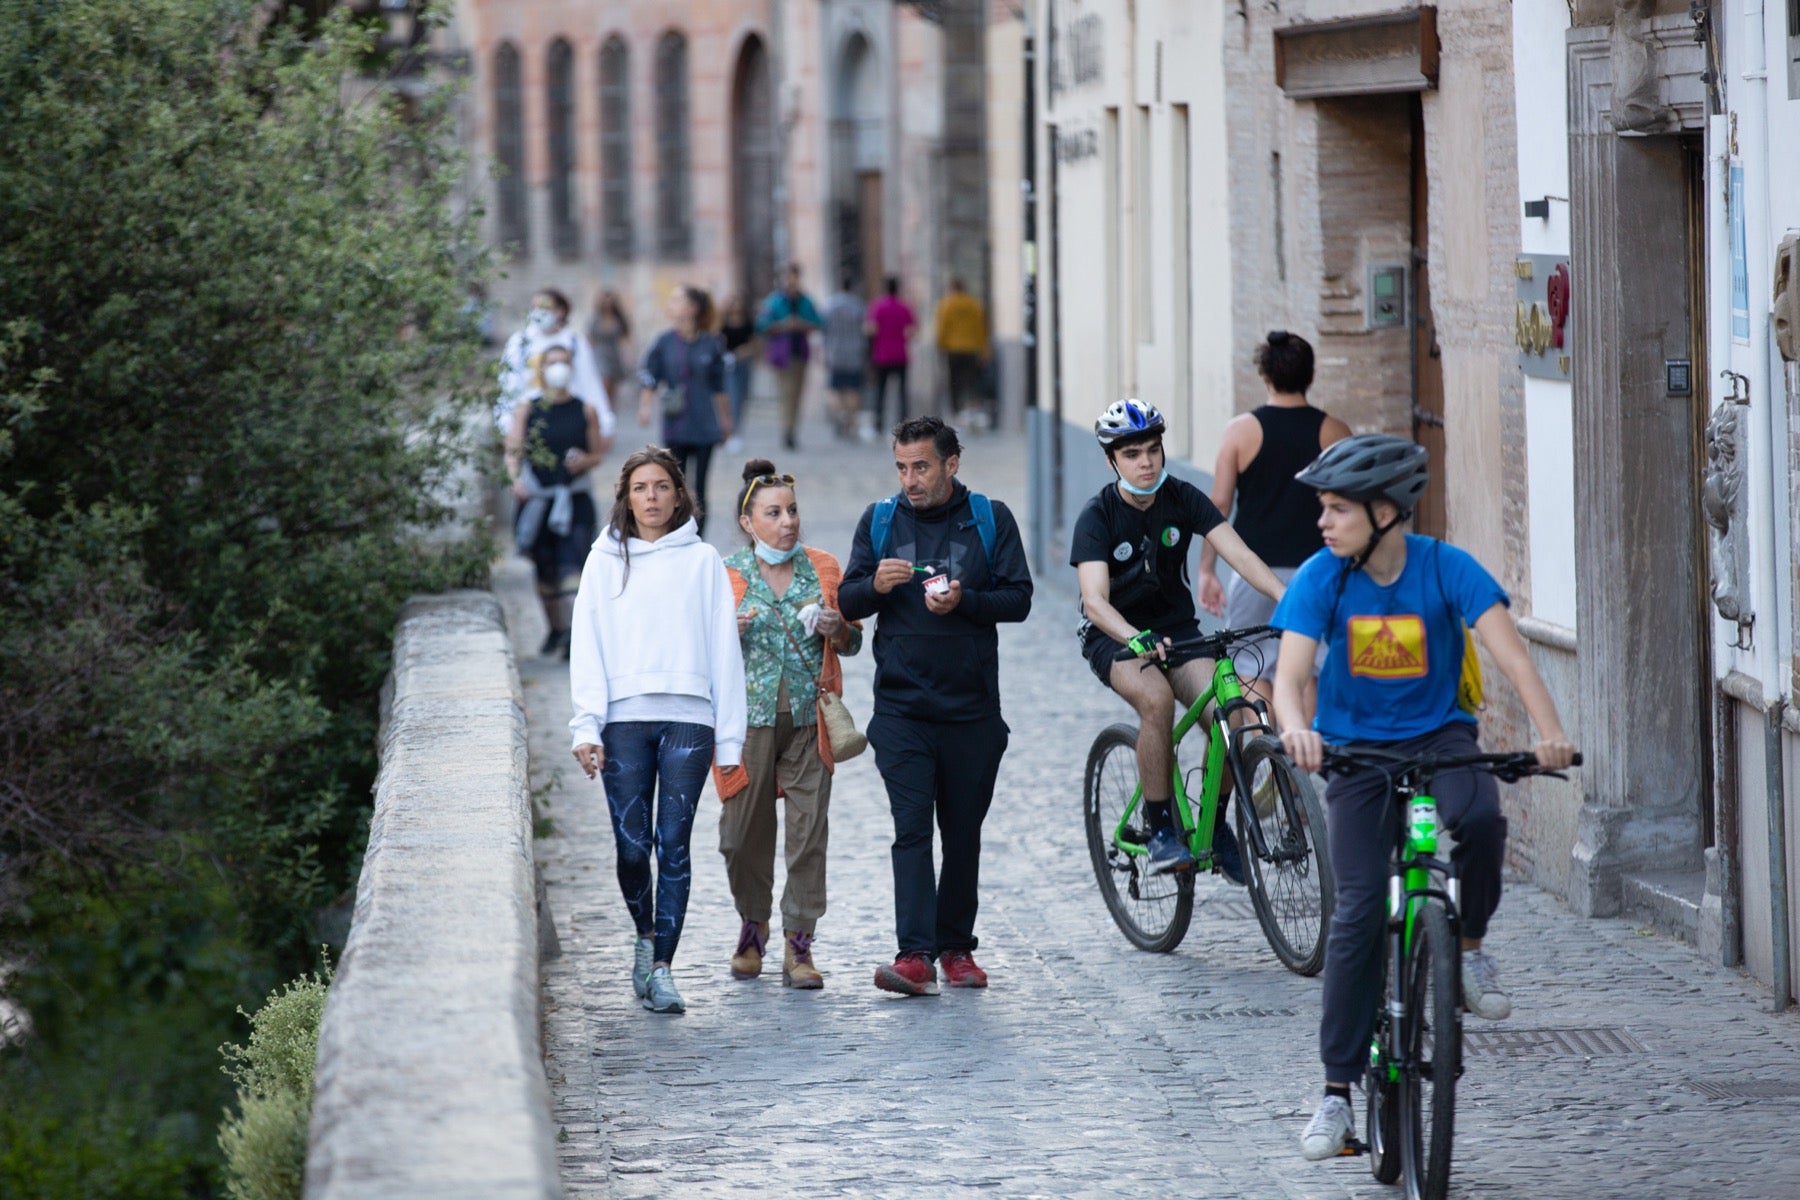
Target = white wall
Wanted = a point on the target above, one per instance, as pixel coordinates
(1540, 77)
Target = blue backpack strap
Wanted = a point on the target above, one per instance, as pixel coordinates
(881, 525)
(983, 508)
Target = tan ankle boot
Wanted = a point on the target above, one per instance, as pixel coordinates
(797, 970)
(753, 939)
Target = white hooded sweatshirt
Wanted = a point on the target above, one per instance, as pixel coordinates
(670, 630)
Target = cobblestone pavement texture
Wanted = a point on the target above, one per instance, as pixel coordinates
(1088, 1068)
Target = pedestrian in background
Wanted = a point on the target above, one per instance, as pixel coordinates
(890, 326)
(1277, 516)
(786, 323)
(546, 325)
(683, 379)
(738, 332)
(609, 332)
(554, 443)
(792, 633)
(962, 336)
(942, 567)
(656, 679)
(846, 354)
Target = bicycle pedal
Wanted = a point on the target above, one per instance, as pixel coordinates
(1353, 1148)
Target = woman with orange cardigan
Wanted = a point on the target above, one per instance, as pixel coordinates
(792, 634)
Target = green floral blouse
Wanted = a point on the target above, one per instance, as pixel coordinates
(770, 658)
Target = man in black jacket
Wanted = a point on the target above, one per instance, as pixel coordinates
(938, 736)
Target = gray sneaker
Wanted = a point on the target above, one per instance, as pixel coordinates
(643, 957)
(1481, 987)
(661, 995)
(1329, 1129)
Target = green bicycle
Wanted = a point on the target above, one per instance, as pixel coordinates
(1281, 825)
(1415, 1057)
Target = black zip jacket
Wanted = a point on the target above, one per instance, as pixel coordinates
(930, 667)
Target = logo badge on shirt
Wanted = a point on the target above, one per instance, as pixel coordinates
(1122, 551)
(1387, 647)
(1170, 536)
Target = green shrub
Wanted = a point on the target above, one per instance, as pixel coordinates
(264, 1144)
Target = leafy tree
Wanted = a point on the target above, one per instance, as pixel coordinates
(235, 392)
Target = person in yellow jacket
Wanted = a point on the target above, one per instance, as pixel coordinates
(792, 634)
(962, 336)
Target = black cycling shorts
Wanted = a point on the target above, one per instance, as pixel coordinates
(1099, 649)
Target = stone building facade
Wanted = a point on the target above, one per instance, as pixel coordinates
(644, 143)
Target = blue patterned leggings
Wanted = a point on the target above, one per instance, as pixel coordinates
(637, 752)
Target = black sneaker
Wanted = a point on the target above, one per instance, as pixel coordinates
(1225, 853)
(551, 641)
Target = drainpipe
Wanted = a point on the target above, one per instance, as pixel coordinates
(1753, 135)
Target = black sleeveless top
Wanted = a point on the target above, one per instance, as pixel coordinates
(551, 432)
(1277, 517)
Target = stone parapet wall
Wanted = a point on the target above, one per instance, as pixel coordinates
(430, 1077)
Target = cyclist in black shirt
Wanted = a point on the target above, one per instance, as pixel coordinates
(1130, 551)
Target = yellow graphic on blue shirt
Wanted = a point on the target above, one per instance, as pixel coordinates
(1387, 647)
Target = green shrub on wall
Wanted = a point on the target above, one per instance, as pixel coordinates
(264, 1143)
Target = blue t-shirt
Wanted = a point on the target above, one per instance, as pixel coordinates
(1394, 653)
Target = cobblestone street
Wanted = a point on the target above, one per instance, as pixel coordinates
(1088, 1068)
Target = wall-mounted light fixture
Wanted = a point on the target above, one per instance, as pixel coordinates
(1541, 208)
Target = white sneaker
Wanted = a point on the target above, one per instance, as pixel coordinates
(660, 996)
(1481, 987)
(643, 957)
(1329, 1129)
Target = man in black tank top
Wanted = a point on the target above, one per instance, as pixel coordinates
(1259, 455)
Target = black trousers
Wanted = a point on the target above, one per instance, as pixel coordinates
(695, 460)
(876, 398)
(1361, 814)
(942, 772)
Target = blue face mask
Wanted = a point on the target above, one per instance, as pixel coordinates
(1149, 491)
(771, 555)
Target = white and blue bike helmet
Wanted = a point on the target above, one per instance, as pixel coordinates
(1128, 420)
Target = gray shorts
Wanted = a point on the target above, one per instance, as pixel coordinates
(1244, 605)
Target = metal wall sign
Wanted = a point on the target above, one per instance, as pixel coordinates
(1541, 319)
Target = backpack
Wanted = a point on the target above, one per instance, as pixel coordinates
(881, 524)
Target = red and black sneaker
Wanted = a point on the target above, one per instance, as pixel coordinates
(911, 975)
(960, 970)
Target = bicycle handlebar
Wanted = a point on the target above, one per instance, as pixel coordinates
(1209, 645)
(1509, 767)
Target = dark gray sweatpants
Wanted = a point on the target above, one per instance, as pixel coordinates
(1361, 813)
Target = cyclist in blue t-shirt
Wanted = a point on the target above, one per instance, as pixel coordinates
(1390, 611)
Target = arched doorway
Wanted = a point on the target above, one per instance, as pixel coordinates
(858, 145)
(753, 170)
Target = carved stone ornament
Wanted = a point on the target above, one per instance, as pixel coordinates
(1722, 500)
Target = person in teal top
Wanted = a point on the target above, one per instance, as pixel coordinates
(792, 633)
(1389, 607)
(786, 323)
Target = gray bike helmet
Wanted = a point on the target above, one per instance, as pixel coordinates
(1371, 467)
(1128, 420)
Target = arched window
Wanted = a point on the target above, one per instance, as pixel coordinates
(509, 149)
(674, 215)
(559, 80)
(615, 149)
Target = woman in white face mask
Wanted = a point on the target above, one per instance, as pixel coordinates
(522, 363)
(553, 444)
(792, 634)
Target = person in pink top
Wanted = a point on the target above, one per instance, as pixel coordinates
(890, 323)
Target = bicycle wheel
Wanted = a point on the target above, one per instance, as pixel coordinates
(1381, 1095)
(1432, 1040)
(1153, 911)
(1291, 884)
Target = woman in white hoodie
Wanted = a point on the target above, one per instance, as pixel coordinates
(657, 679)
